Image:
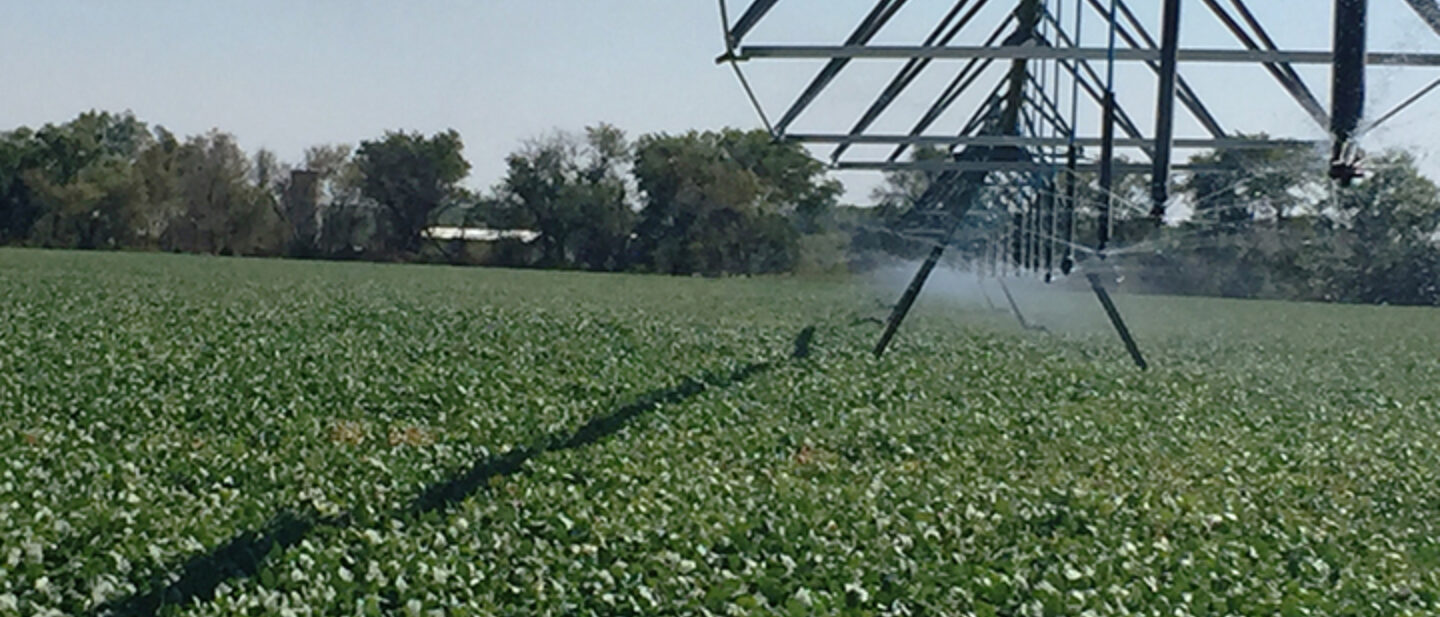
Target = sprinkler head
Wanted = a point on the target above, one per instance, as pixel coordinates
(1346, 173)
(1345, 164)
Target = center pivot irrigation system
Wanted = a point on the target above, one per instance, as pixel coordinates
(1051, 89)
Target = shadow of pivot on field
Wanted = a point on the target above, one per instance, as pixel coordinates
(445, 494)
(245, 554)
(240, 557)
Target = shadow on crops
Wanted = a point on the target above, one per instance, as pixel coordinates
(442, 495)
(240, 557)
(244, 555)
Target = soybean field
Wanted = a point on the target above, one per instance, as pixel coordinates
(185, 435)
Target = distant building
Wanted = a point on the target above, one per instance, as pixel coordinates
(482, 246)
(479, 234)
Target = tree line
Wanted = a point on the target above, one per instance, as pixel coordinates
(1265, 223)
(713, 202)
(1272, 225)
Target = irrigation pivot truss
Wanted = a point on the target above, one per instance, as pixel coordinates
(1022, 96)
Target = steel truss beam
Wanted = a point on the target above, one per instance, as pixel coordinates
(1281, 70)
(1227, 143)
(862, 34)
(1017, 167)
(752, 16)
(1142, 35)
(962, 82)
(1015, 52)
(948, 29)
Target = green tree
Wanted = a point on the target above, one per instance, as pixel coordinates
(1276, 228)
(725, 202)
(19, 207)
(99, 208)
(409, 176)
(1255, 220)
(1245, 184)
(573, 192)
(158, 168)
(44, 160)
(1393, 217)
(794, 182)
(223, 212)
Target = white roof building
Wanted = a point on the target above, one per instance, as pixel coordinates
(479, 234)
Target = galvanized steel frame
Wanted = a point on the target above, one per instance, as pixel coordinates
(1021, 135)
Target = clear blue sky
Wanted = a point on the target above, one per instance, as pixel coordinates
(287, 74)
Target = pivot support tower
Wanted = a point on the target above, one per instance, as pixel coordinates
(1039, 79)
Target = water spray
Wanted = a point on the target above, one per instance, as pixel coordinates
(1017, 134)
